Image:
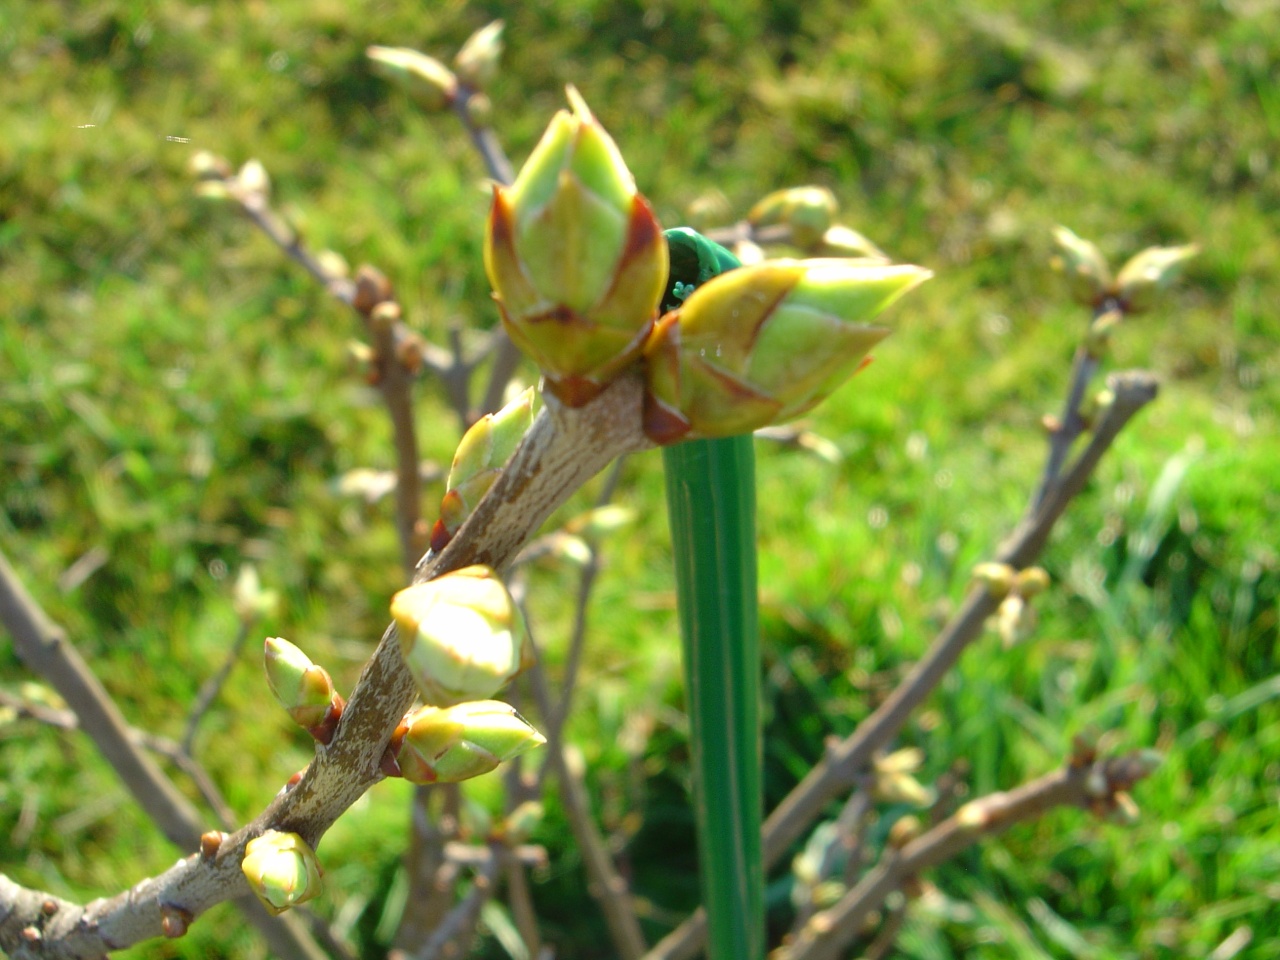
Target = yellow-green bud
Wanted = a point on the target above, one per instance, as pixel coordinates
(519, 824)
(765, 343)
(462, 636)
(1088, 275)
(253, 180)
(1031, 582)
(842, 241)
(808, 211)
(577, 260)
(1015, 620)
(303, 688)
(250, 600)
(904, 830)
(426, 79)
(996, 577)
(449, 744)
(282, 870)
(483, 452)
(1149, 272)
(477, 61)
(601, 522)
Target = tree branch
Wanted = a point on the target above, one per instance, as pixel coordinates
(46, 650)
(562, 450)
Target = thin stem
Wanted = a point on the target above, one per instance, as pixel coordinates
(605, 883)
(210, 689)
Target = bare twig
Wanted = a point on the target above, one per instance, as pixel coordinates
(555, 721)
(606, 885)
(162, 746)
(838, 771)
(210, 689)
(1094, 786)
(451, 937)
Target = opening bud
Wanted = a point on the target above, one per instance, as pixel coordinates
(808, 211)
(1150, 272)
(765, 343)
(303, 688)
(461, 635)
(483, 452)
(449, 744)
(425, 78)
(576, 258)
(477, 61)
(1086, 270)
(282, 870)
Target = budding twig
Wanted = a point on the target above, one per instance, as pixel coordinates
(48, 651)
(830, 932)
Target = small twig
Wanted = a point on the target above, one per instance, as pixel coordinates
(161, 746)
(887, 935)
(210, 689)
(1084, 366)
(852, 831)
(609, 887)
(577, 637)
(470, 855)
(839, 770)
(482, 136)
(1094, 786)
(452, 937)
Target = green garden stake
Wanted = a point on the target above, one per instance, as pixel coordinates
(711, 506)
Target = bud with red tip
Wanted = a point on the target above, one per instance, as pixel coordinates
(576, 258)
(303, 688)
(450, 744)
(764, 343)
(483, 452)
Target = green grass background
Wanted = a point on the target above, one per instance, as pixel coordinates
(175, 394)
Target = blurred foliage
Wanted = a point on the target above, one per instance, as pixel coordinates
(175, 402)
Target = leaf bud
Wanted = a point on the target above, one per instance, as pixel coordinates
(904, 830)
(842, 241)
(1150, 272)
(764, 343)
(425, 78)
(996, 577)
(304, 689)
(576, 258)
(808, 211)
(1031, 582)
(1086, 270)
(477, 62)
(478, 462)
(450, 744)
(253, 180)
(461, 635)
(282, 870)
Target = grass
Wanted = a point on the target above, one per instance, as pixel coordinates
(174, 396)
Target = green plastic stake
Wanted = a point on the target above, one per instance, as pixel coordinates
(711, 507)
